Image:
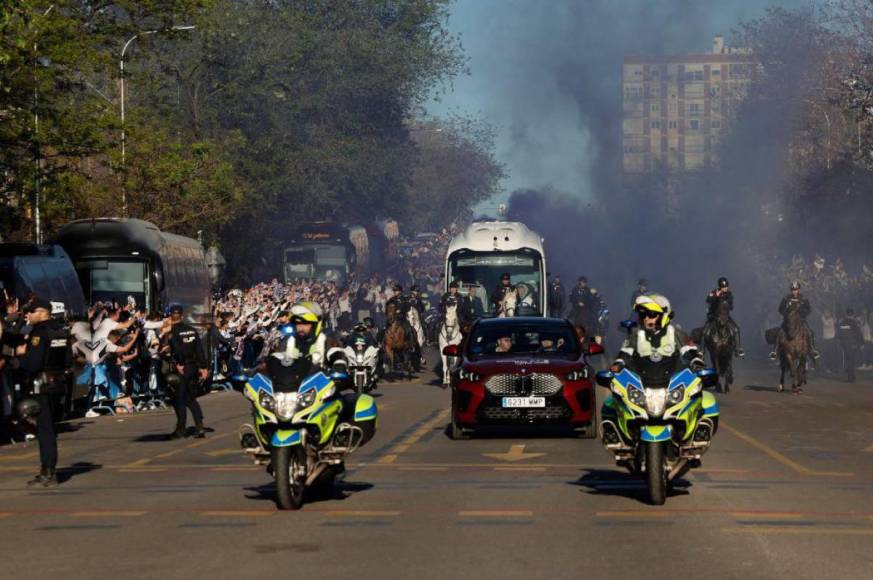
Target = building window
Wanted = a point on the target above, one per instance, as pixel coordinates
(656, 107)
(656, 124)
(716, 72)
(694, 124)
(694, 75)
(631, 93)
(673, 124)
(715, 124)
(694, 109)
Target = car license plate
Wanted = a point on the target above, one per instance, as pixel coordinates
(515, 402)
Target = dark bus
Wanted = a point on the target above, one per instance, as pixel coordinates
(128, 259)
(43, 270)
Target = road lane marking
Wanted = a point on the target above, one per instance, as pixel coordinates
(236, 468)
(362, 513)
(515, 453)
(766, 515)
(520, 468)
(632, 514)
(108, 514)
(404, 445)
(496, 514)
(780, 530)
(238, 513)
(780, 458)
(166, 454)
(142, 470)
(224, 452)
(4, 515)
(424, 468)
(29, 455)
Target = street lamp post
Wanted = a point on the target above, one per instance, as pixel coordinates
(123, 136)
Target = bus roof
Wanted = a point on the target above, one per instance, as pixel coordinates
(500, 236)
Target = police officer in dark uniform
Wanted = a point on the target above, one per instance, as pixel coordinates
(851, 340)
(556, 298)
(189, 359)
(45, 357)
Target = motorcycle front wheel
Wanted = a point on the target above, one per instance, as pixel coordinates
(656, 477)
(289, 465)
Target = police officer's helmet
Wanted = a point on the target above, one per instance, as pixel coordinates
(173, 380)
(453, 284)
(27, 408)
(307, 312)
(723, 282)
(360, 327)
(649, 304)
(369, 322)
(795, 285)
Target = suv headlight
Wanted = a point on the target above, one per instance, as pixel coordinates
(286, 405)
(466, 375)
(636, 396)
(578, 375)
(676, 396)
(656, 401)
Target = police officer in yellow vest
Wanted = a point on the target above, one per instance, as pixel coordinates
(304, 347)
(655, 348)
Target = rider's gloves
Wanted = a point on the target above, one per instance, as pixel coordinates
(617, 366)
(697, 364)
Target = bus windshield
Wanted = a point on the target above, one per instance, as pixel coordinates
(111, 280)
(482, 270)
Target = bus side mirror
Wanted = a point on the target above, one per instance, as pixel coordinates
(451, 350)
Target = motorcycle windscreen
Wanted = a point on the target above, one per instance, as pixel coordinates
(288, 378)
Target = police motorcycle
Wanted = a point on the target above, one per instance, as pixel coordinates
(658, 421)
(303, 423)
(362, 360)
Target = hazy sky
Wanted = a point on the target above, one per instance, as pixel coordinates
(543, 72)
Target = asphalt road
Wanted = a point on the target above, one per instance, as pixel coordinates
(786, 492)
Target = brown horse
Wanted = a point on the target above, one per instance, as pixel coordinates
(398, 342)
(792, 352)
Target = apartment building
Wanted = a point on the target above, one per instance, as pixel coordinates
(676, 108)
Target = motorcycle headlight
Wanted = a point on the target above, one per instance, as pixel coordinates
(286, 405)
(676, 396)
(466, 375)
(267, 401)
(636, 396)
(306, 399)
(579, 375)
(360, 358)
(656, 401)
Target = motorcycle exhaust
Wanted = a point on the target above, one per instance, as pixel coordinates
(678, 469)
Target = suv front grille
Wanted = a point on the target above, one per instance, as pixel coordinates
(526, 385)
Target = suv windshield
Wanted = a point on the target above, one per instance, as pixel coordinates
(513, 338)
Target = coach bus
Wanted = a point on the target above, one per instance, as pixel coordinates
(130, 260)
(486, 250)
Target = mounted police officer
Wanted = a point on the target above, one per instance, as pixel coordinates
(722, 297)
(45, 356)
(794, 300)
(189, 359)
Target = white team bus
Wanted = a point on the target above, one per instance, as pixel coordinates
(486, 250)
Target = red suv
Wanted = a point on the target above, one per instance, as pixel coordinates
(523, 371)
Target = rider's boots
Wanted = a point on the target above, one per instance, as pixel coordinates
(199, 430)
(776, 346)
(179, 433)
(811, 342)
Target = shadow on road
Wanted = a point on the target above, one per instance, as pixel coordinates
(79, 468)
(339, 492)
(624, 484)
(760, 389)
